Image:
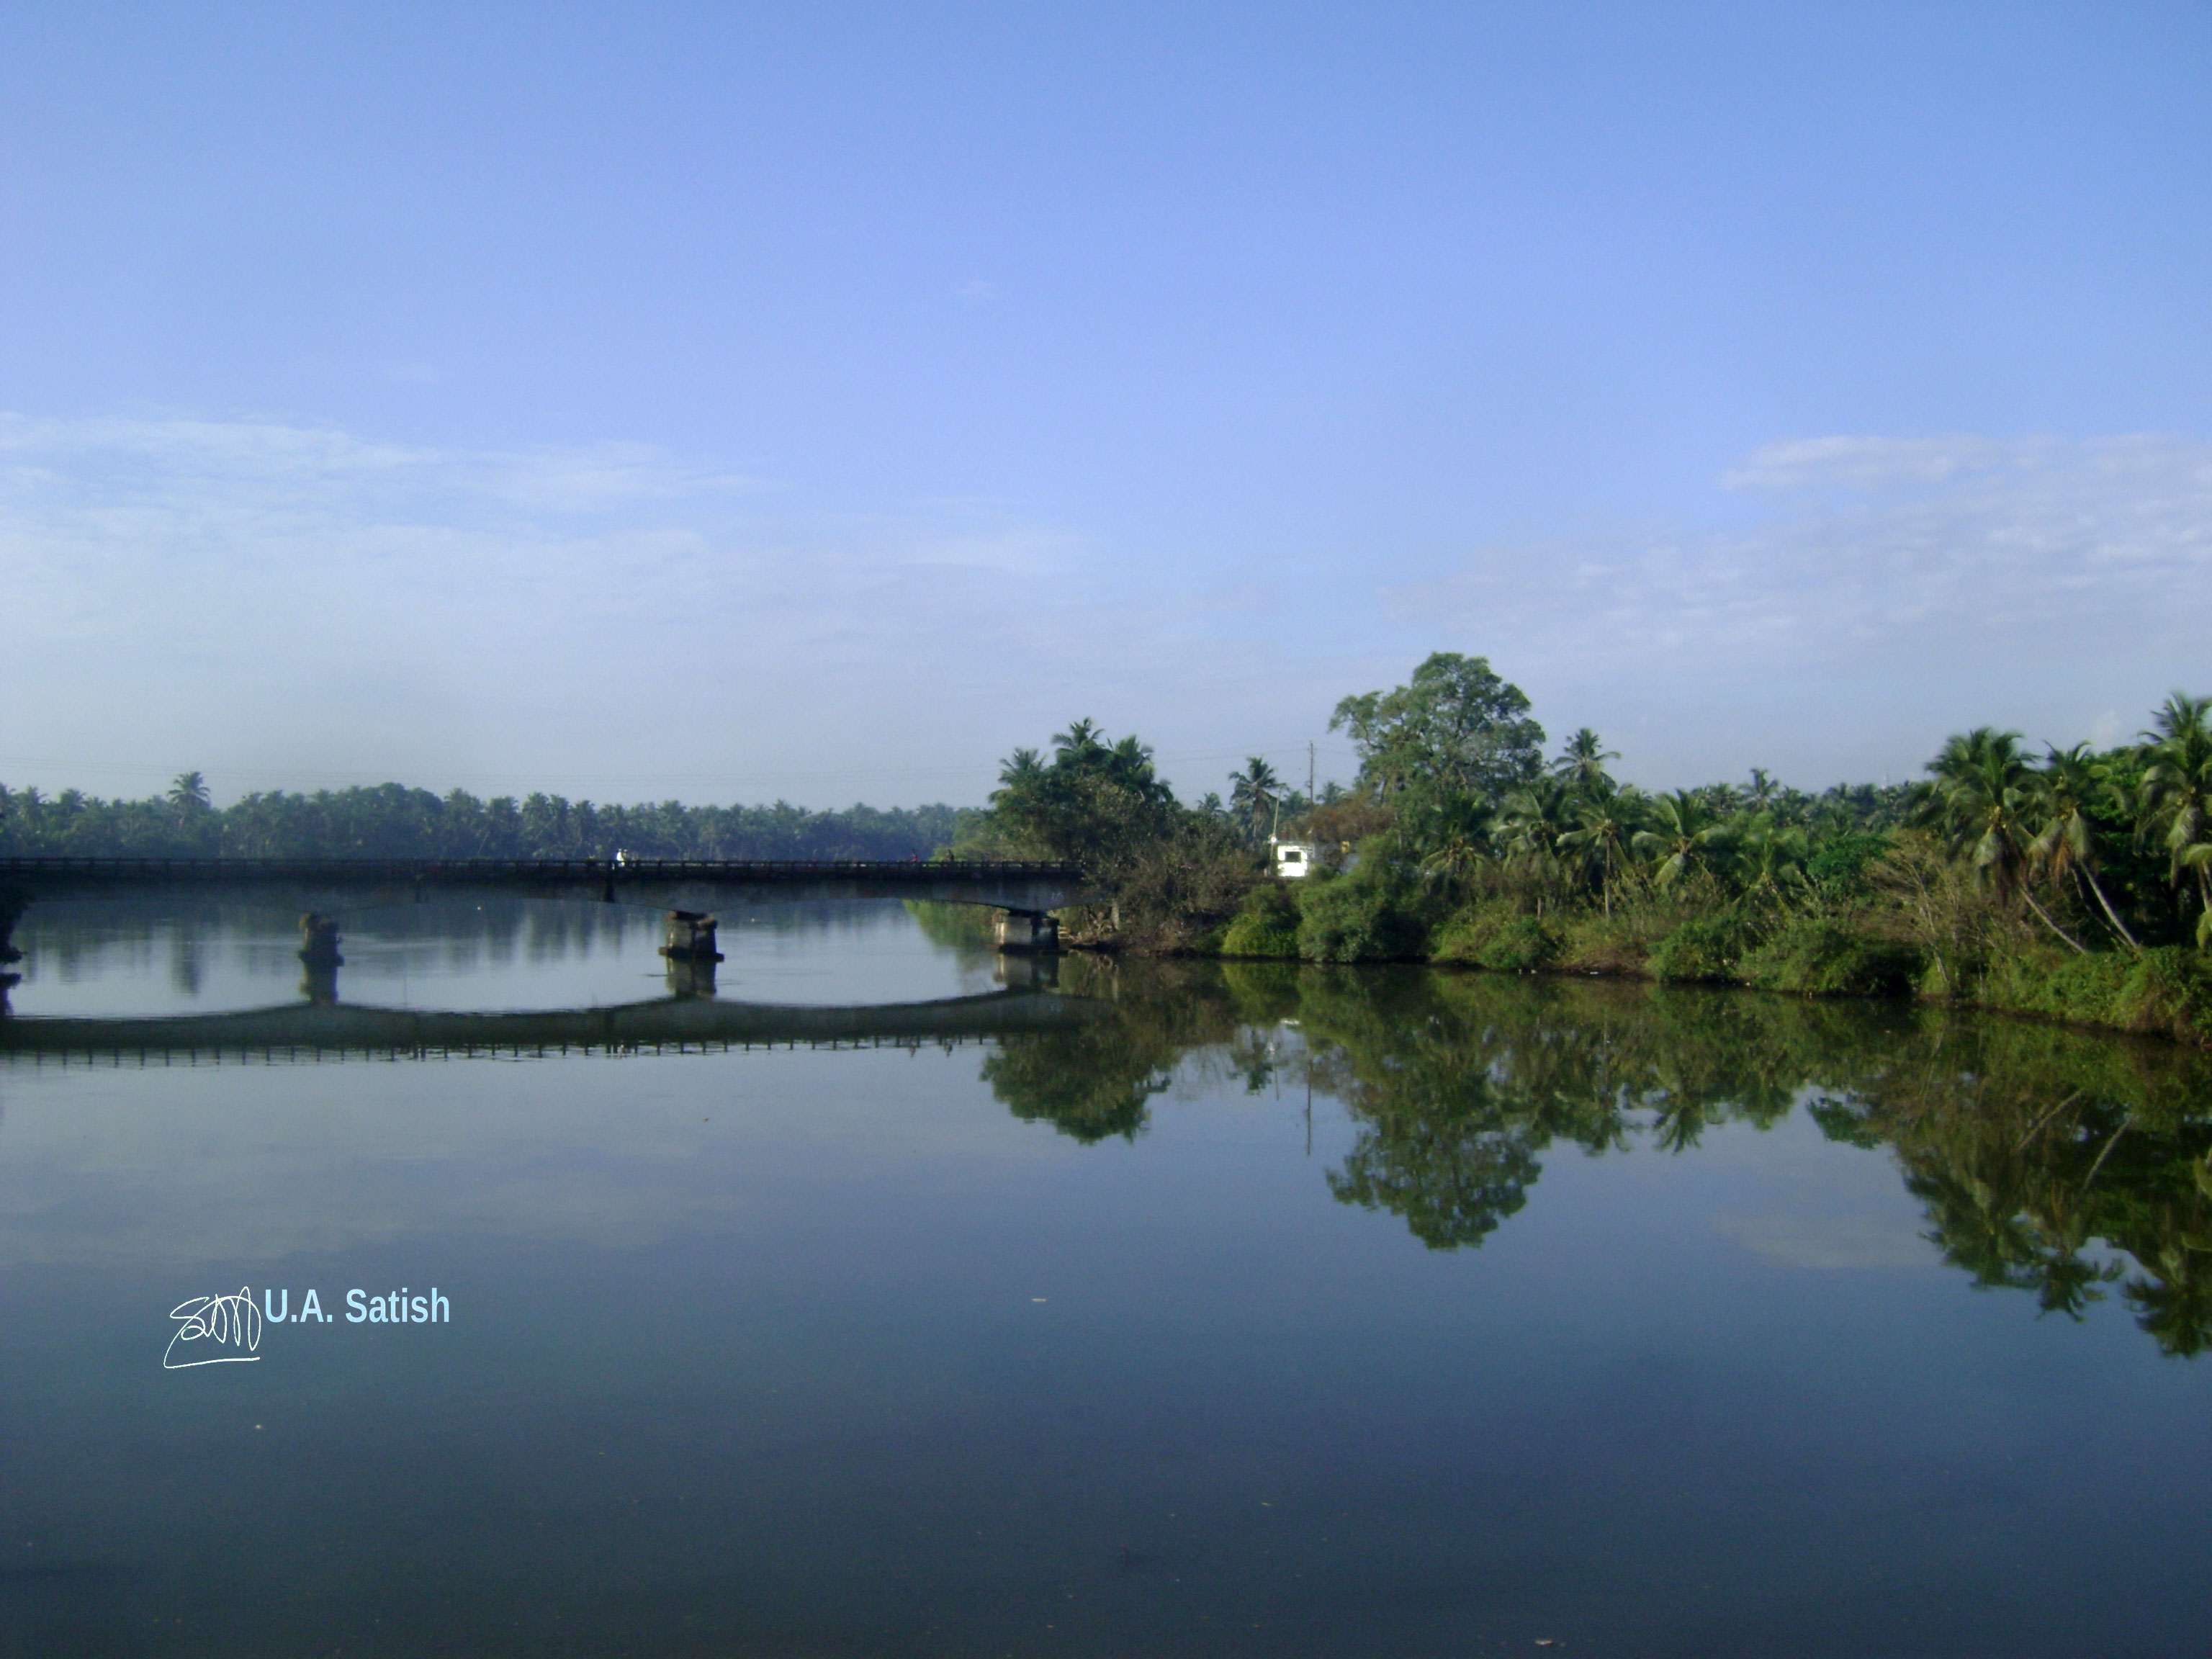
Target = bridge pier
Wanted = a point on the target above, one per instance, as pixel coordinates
(691, 979)
(318, 940)
(1027, 970)
(690, 937)
(318, 980)
(12, 906)
(1027, 930)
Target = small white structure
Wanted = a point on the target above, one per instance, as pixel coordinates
(1294, 859)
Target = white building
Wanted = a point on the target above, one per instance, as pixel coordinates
(1294, 859)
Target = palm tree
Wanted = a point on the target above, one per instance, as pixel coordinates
(188, 793)
(1081, 741)
(1984, 798)
(1254, 795)
(2177, 795)
(1581, 761)
(1531, 822)
(1022, 770)
(2067, 844)
(1462, 839)
(1763, 790)
(1770, 857)
(1684, 837)
(1605, 825)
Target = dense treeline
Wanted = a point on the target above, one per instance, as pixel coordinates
(391, 820)
(2076, 882)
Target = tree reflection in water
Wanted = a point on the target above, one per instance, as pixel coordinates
(2056, 1162)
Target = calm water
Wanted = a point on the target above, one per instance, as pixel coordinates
(1257, 1311)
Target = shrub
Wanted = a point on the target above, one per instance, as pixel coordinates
(1841, 865)
(2166, 990)
(1265, 925)
(2056, 984)
(1823, 957)
(1371, 914)
(1496, 936)
(2169, 990)
(1702, 948)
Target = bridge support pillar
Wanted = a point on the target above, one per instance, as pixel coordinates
(318, 940)
(690, 937)
(1027, 970)
(12, 906)
(690, 978)
(1027, 930)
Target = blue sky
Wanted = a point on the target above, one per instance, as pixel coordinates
(731, 401)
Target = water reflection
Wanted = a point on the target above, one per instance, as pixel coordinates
(100, 960)
(1231, 1310)
(2052, 1161)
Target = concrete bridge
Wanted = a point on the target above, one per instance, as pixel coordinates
(1026, 894)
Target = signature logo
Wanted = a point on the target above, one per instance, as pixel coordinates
(221, 1321)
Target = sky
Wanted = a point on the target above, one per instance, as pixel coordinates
(738, 402)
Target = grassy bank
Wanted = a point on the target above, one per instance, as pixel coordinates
(1874, 942)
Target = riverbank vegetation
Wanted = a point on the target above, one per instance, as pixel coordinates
(2075, 883)
(392, 821)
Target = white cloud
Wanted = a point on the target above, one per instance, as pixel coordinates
(277, 603)
(1829, 1242)
(281, 604)
(2039, 583)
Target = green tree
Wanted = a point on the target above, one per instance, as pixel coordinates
(2176, 796)
(1581, 761)
(2066, 845)
(1254, 796)
(1605, 823)
(1769, 858)
(1093, 802)
(1457, 730)
(1533, 831)
(188, 794)
(1984, 798)
(1684, 838)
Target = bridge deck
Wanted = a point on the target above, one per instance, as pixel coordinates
(680, 884)
(379, 871)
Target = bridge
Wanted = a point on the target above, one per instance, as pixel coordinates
(1024, 894)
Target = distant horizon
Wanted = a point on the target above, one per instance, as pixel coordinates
(1189, 794)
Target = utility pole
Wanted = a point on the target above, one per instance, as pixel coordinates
(1309, 774)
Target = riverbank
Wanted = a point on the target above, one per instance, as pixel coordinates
(1859, 949)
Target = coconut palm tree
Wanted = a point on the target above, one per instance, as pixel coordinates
(2066, 845)
(2176, 800)
(1983, 797)
(1254, 795)
(1530, 824)
(188, 793)
(1081, 740)
(1581, 761)
(1605, 825)
(1769, 858)
(1532, 821)
(1462, 840)
(1683, 837)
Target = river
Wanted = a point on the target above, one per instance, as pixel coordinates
(1077, 1307)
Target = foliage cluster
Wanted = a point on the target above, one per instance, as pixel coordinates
(391, 821)
(1173, 875)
